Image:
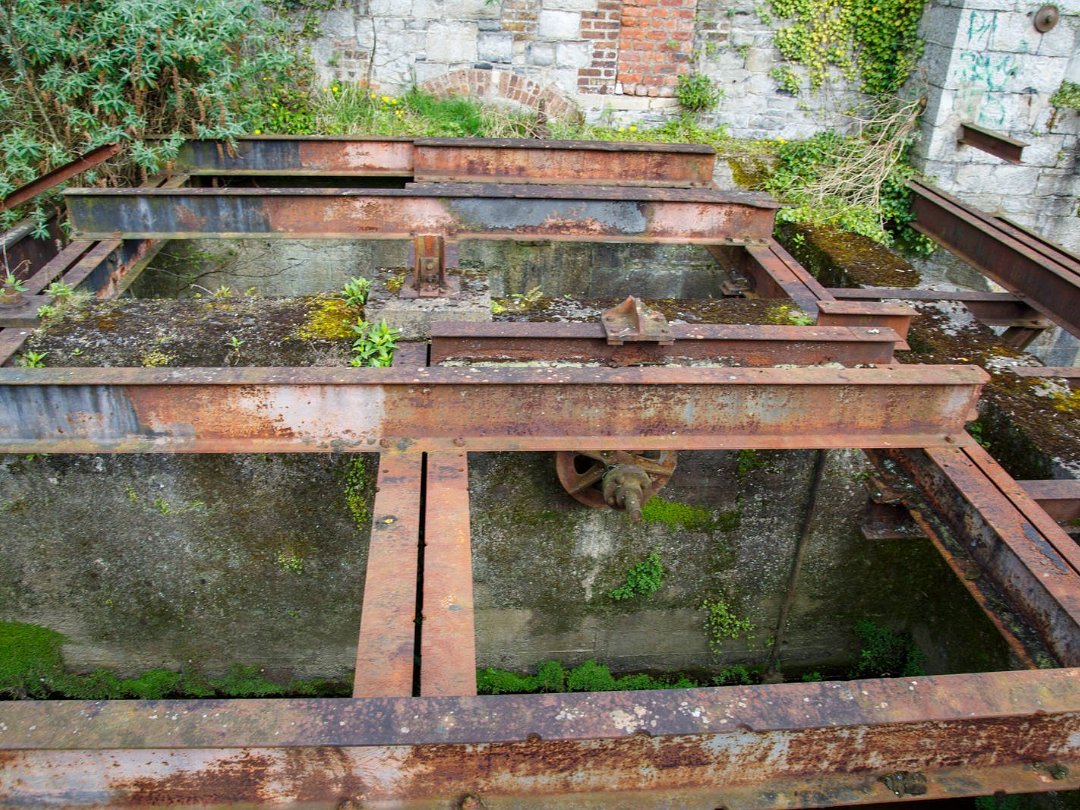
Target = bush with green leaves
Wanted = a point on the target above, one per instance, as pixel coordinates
(374, 344)
(77, 75)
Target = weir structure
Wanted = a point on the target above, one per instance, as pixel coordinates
(415, 734)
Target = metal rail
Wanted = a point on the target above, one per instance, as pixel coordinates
(453, 409)
(1049, 279)
(475, 211)
(746, 747)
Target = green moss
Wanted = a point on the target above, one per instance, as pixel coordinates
(358, 485)
(688, 517)
(747, 462)
(31, 665)
(30, 661)
(722, 623)
(328, 319)
(590, 676)
(1067, 96)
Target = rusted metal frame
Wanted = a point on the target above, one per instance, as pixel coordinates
(765, 746)
(251, 410)
(291, 157)
(22, 253)
(23, 313)
(920, 294)
(869, 314)
(463, 210)
(1051, 284)
(993, 143)
(60, 174)
(1059, 497)
(11, 341)
(57, 266)
(516, 160)
(1037, 240)
(585, 342)
(1067, 372)
(447, 630)
(1034, 574)
(385, 652)
(776, 274)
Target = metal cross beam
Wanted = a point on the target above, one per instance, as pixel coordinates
(257, 410)
(463, 210)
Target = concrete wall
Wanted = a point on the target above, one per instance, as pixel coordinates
(985, 64)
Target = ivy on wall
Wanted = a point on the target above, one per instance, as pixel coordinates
(875, 41)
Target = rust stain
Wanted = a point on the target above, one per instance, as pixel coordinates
(242, 777)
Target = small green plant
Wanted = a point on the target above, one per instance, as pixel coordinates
(643, 579)
(787, 78)
(155, 358)
(811, 677)
(528, 299)
(162, 505)
(590, 676)
(355, 292)
(696, 93)
(222, 292)
(735, 675)
(721, 623)
(978, 432)
(1067, 96)
(886, 653)
(60, 289)
(289, 560)
(747, 461)
(234, 344)
(374, 344)
(33, 359)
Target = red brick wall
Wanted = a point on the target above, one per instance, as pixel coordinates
(657, 37)
(602, 28)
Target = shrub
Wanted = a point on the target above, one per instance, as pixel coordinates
(696, 93)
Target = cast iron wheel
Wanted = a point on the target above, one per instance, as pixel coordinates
(580, 473)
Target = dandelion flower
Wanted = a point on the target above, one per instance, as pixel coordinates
(258, 132)
(632, 128)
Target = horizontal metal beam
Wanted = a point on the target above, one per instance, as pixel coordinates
(121, 410)
(291, 156)
(993, 143)
(767, 746)
(58, 175)
(1060, 497)
(776, 274)
(464, 210)
(727, 344)
(1067, 372)
(919, 294)
(519, 160)
(1049, 280)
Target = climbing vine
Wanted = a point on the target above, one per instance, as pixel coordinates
(874, 40)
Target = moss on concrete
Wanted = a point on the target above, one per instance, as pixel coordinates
(329, 318)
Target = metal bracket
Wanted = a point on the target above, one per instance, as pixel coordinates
(631, 321)
(430, 256)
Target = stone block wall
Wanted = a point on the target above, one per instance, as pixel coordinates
(986, 64)
(615, 60)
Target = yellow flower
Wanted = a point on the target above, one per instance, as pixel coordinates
(273, 104)
(373, 95)
(393, 101)
(335, 88)
(385, 99)
(258, 132)
(632, 128)
(622, 129)
(326, 89)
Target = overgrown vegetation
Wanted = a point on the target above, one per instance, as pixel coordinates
(643, 579)
(32, 667)
(75, 76)
(374, 344)
(697, 93)
(857, 182)
(875, 41)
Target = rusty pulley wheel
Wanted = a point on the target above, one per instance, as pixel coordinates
(582, 473)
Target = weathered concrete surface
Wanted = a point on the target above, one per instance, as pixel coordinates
(544, 565)
(288, 267)
(171, 561)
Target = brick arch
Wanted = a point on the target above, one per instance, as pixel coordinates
(501, 85)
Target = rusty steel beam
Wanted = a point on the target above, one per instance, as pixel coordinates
(1008, 536)
(1067, 372)
(1059, 497)
(870, 314)
(11, 341)
(523, 160)
(253, 410)
(447, 630)
(462, 210)
(776, 274)
(385, 650)
(1048, 279)
(726, 344)
(744, 747)
(993, 143)
(920, 294)
(59, 175)
(291, 156)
